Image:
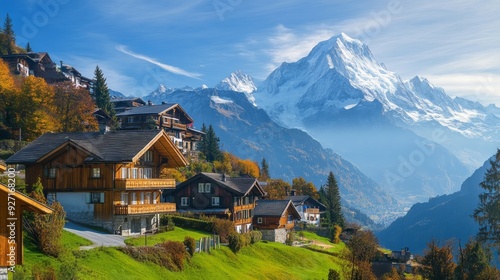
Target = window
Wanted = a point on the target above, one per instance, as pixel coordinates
(95, 197)
(184, 201)
(124, 200)
(96, 172)
(134, 173)
(148, 173)
(247, 200)
(215, 201)
(148, 156)
(259, 220)
(201, 187)
(124, 173)
(130, 120)
(207, 187)
(51, 172)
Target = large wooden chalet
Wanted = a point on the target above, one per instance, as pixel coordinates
(169, 117)
(215, 194)
(39, 64)
(107, 179)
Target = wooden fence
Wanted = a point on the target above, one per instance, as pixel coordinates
(205, 244)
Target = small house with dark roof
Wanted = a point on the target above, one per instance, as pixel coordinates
(216, 194)
(275, 218)
(110, 179)
(169, 117)
(310, 209)
(126, 103)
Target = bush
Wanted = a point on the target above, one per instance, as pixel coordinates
(236, 242)
(223, 228)
(170, 224)
(191, 223)
(335, 234)
(190, 245)
(333, 275)
(255, 236)
(290, 237)
(169, 254)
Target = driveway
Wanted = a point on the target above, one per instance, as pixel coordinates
(97, 237)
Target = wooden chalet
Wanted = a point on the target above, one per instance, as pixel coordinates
(310, 209)
(126, 103)
(275, 218)
(215, 194)
(11, 231)
(167, 116)
(39, 64)
(107, 179)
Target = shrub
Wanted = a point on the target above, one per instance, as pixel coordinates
(290, 237)
(255, 236)
(223, 228)
(333, 275)
(335, 234)
(169, 254)
(170, 224)
(235, 242)
(192, 223)
(190, 245)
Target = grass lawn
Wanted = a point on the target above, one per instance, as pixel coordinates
(336, 248)
(264, 260)
(176, 235)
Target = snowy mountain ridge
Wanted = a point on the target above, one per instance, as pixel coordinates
(240, 82)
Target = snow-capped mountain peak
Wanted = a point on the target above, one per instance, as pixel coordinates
(240, 82)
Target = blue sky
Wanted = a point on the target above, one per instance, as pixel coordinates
(140, 44)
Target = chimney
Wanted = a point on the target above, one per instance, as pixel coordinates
(150, 103)
(224, 177)
(61, 63)
(292, 192)
(103, 128)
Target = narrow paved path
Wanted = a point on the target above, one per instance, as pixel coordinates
(96, 237)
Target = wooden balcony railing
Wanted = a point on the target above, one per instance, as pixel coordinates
(144, 184)
(312, 210)
(144, 208)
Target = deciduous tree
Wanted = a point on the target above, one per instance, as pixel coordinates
(74, 108)
(277, 189)
(302, 187)
(437, 262)
(361, 249)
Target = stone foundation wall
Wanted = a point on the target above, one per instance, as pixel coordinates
(274, 235)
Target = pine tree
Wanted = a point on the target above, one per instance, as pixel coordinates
(474, 262)
(9, 39)
(210, 145)
(330, 197)
(28, 47)
(487, 214)
(264, 170)
(100, 94)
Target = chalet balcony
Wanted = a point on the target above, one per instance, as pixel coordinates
(146, 184)
(144, 208)
(312, 210)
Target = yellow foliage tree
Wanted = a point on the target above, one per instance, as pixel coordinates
(248, 167)
(74, 108)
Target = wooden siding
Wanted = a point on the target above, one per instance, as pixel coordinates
(104, 211)
(144, 208)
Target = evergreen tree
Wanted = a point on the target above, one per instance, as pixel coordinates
(210, 146)
(474, 263)
(202, 145)
(28, 47)
(330, 197)
(9, 39)
(100, 94)
(264, 170)
(487, 214)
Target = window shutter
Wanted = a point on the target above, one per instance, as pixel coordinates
(87, 198)
(102, 198)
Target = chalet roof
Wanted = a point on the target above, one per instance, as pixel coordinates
(113, 146)
(305, 200)
(124, 99)
(275, 208)
(239, 185)
(26, 202)
(148, 109)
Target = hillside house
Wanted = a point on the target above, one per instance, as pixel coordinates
(275, 218)
(167, 116)
(310, 209)
(215, 194)
(126, 103)
(106, 179)
(39, 64)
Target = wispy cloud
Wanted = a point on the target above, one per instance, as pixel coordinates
(169, 68)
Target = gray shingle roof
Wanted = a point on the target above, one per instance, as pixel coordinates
(307, 200)
(114, 146)
(271, 207)
(147, 110)
(239, 185)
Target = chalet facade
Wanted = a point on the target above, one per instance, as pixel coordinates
(215, 194)
(39, 64)
(169, 117)
(109, 179)
(275, 219)
(310, 209)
